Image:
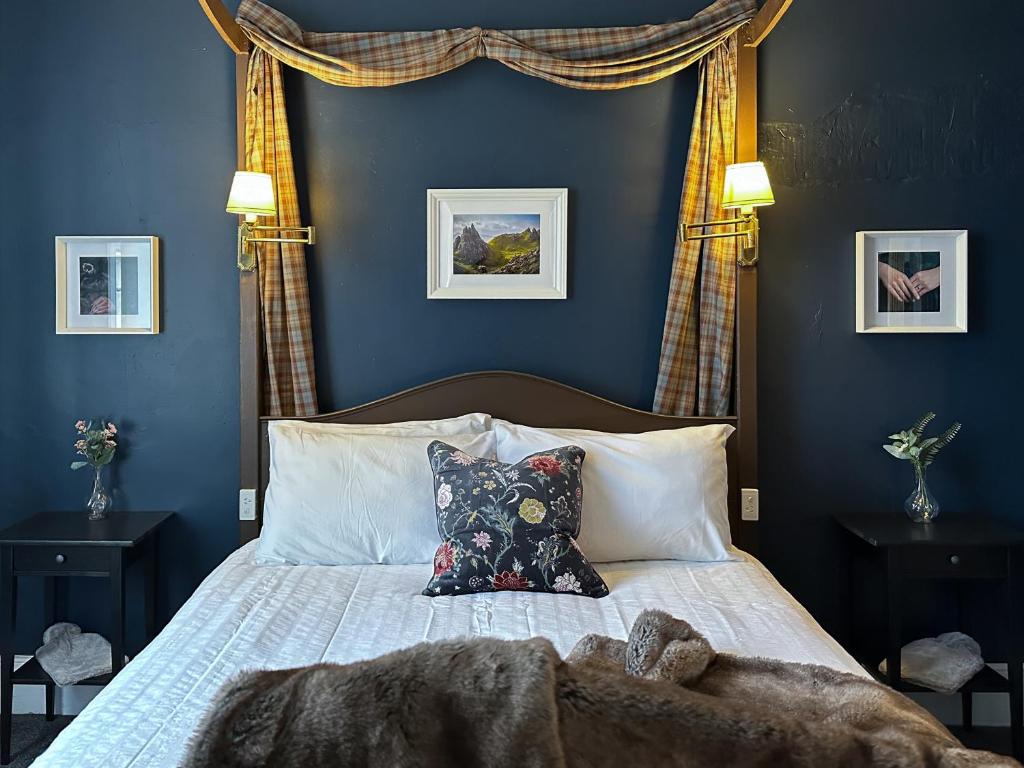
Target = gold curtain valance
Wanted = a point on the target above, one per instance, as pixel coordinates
(598, 58)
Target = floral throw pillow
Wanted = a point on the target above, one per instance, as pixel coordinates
(510, 526)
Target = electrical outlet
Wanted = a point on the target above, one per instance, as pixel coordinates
(749, 504)
(247, 504)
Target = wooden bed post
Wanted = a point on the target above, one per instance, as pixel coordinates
(746, 280)
(746, 287)
(250, 351)
(250, 340)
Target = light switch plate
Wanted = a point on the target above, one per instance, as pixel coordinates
(247, 504)
(749, 504)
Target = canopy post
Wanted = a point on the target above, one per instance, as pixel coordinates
(250, 348)
(250, 342)
(224, 22)
(761, 25)
(745, 400)
(751, 36)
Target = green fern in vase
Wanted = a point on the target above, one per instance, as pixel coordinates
(911, 444)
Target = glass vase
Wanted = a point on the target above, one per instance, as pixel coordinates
(921, 506)
(99, 501)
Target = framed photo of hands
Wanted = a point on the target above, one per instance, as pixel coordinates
(108, 284)
(912, 281)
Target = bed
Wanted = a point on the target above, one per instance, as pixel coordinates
(249, 616)
(256, 616)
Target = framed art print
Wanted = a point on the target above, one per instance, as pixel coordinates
(912, 281)
(108, 284)
(496, 243)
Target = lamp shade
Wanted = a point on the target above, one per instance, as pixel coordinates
(747, 186)
(252, 193)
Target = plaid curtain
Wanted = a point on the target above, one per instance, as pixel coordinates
(290, 383)
(697, 345)
(697, 349)
(596, 59)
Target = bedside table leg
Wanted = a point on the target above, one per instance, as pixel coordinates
(1016, 707)
(117, 609)
(1014, 595)
(894, 617)
(149, 588)
(50, 617)
(8, 595)
(967, 710)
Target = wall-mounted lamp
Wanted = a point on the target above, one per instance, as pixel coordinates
(746, 187)
(252, 195)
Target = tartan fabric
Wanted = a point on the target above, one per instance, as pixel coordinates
(290, 385)
(697, 345)
(598, 59)
(695, 370)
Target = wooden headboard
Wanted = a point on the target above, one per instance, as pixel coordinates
(517, 397)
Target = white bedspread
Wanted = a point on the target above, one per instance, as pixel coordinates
(249, 616)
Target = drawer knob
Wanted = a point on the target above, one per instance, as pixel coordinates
(954, 559)
(60, 559)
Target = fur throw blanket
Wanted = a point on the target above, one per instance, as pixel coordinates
(662, 697)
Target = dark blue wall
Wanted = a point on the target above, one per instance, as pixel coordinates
(880, 115)
(134, 132)
(120, 122)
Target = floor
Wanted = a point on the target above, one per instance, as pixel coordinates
(991, 739)
(31, 735)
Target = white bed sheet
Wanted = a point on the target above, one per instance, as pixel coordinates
(248, 616)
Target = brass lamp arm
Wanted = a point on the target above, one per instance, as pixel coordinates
(719, 223)
(272, 228)
(309, 234)
(308, 238)
(247, 252)
(748, 253)
(713, 235)
(302, 240)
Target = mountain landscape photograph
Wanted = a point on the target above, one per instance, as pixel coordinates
(496, 244)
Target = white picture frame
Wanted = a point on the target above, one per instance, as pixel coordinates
(912, 281)
(530, 224)
(107, 284)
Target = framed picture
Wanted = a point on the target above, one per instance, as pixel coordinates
(496, 243)
(108, 284)
(912, 281)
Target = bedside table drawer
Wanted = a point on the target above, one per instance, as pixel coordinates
(955, 562)
(58, 559)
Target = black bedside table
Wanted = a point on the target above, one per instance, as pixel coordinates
(957, 549)
(61, 544)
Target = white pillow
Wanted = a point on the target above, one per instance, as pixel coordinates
(470, 424)
(336, 498)
(649, 496)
